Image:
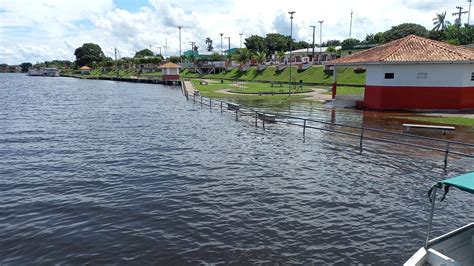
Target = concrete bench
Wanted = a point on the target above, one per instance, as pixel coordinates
(203, 82)
(407, 127)
(232, 106)
(267, 117)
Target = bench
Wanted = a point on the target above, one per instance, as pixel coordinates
(267, 117)
(232, 106)
(202, 82)
(407, 127)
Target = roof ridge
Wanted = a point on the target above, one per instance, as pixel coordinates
(400, 44)
(437, 44)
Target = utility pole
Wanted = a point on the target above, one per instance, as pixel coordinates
(179, 27)
(469, 14)
(150, 46)
(164, 47)
(320, 39)
(222, 58)
(159, 47)
(350, 29)
(228, 51)
(116, 62)
(291, 48)
(314, 30)
(458, 20)
(240, 40)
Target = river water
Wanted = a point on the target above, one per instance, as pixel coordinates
(106, 172)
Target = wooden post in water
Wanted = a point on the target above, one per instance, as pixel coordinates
(446, 156)
(256, 117)
(236, 114)
(201, 100)
(210, 103)
(361, 141)
(263, 124)
(221, 106)
(304, 128)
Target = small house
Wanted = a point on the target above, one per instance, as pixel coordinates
(170, 71)
(85, 70)
(414, 73)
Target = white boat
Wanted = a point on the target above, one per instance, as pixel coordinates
(455, 247)
(44, 72)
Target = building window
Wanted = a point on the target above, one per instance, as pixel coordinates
(389, 75)
(472, 76)
(422, 75)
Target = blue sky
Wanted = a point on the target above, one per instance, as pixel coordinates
(34, 31)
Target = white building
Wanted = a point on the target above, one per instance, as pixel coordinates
(415, 73)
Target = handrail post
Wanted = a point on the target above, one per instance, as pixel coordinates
(361, 141)
(256, 117)
(446, 156)
(430, 221)
(304, 128)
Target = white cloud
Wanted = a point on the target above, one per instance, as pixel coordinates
(51, 29)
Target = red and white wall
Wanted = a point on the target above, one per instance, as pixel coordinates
(420, 86)
(170, 74)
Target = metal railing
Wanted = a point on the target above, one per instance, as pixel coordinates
(443, 146)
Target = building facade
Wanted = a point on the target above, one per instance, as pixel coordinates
(415, 73)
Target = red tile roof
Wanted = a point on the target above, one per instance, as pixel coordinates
(170, 65)
(408, 49)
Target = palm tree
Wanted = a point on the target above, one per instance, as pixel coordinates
(280, 55)
(440, 22)
(243, 56)
(260, 57)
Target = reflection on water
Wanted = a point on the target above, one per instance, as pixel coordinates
(105, 172)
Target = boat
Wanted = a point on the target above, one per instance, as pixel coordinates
(455, 247)
(44, 72)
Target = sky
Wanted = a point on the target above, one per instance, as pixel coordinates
(40, 30)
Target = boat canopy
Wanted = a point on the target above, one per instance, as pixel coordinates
(463, 182)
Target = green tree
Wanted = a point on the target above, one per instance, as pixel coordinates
(404, 30)
(215, 57)
(88, 54)
(143, 53)
(260, 57)
(209, 44)
(440, 22)
(277, 42)
(332, 43)
(300, 45)
(463, 35)
(373, 38)
(349, 43)
(280, 55)
(25, 66)
(243, 56)
(175, 59)
(255, 43)
(331, 49)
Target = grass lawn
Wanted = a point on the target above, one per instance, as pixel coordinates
(315, 74)
(211, 90)
(344, 90)
(461, 121)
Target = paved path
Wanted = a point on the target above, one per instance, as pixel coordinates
(188, 85)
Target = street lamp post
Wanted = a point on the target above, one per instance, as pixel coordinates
(291, 48)
(314, 29)
(240, 40)
(320, 39)
(179, 27)
(228, 51)
(222, 58)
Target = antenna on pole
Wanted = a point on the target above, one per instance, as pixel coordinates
(458, 20)
(179, 27)
(350, 28)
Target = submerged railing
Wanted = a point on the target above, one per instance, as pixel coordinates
(443, 146)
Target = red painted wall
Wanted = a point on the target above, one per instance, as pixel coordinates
(398, 97)
(170, 77)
